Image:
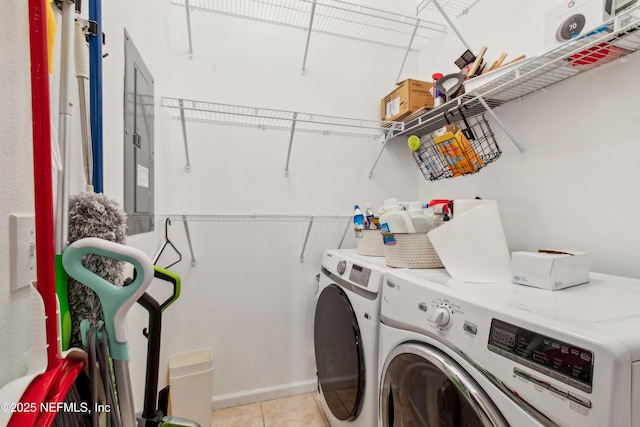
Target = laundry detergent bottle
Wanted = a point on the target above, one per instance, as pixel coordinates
(421, 222)
(394, 219)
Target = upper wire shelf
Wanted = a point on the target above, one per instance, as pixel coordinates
(454, 8)
(330, 17)
(278, 119)
(617, 38)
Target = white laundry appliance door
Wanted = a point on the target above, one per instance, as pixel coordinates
(339, 354)
(423, 387)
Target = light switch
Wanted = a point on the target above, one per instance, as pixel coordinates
(23, 250)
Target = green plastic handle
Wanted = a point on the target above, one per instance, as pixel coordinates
(116, 300)
(171, 277)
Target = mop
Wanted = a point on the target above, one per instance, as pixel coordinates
(52, 385)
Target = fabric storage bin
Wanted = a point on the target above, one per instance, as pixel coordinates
(369, 242)
(411, 250)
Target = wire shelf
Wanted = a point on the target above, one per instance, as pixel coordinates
(277, 119)
(453, 8)
(617, 38)
(330, 17)
(566, 61)
(255, 216)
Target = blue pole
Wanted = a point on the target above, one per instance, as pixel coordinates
(95, 81)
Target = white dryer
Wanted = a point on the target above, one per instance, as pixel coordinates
(346, 328)
(471, 354)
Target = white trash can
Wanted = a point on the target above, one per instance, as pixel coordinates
(190, 376)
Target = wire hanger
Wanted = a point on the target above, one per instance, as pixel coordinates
(168, 242)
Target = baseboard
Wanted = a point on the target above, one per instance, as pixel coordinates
(266, 393)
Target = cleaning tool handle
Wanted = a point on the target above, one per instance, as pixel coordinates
(116, 300)
(81, 50)
(171, 277)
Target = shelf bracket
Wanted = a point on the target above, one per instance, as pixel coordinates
(499, 122)
(187, 8)
(184, 136)
(384, 145)
(406, 54)
(451, 24)
(185, 222)
(293, 131)
(346, 230)
(306, 47)
(306, 239)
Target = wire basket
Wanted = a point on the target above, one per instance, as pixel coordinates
(411, 250)
(475, 148)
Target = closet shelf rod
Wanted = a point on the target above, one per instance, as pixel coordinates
(346, 230)
(499, 122)
(306, 239)
(406, 54)
(293, 131)
(384, 145)
(451, 24)
(184, 136)
(185, 221)
(306, 47)
(188, 9)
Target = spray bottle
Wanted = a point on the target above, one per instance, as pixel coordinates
(358, 218)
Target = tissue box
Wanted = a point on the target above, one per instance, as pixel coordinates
(551, 271)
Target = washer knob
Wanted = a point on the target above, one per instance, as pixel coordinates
(341, 267)
(443, 316)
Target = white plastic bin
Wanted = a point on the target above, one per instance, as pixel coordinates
(190, 377)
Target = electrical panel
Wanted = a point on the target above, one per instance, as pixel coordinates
(138, 142)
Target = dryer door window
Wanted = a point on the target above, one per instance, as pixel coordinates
(423, 387)
(339, 353)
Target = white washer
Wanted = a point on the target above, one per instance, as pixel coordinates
(346, 328)
(471, 354)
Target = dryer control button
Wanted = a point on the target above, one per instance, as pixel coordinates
(470, 327)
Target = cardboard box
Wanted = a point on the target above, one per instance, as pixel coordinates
(551, 271)
(410, 95)
(571, 19)
(456, 149)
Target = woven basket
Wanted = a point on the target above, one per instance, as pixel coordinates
(412, 250)
(369, 242)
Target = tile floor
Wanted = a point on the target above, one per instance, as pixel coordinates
(294, 411)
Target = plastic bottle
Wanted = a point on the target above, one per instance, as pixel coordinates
(418, 218)
(368, 218)
(394, 219)
(358, 218)
(438, 97)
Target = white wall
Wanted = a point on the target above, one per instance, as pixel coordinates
(249, 298)
(574, 186)
(16, 176)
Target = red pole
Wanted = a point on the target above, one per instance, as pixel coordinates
(42, 173)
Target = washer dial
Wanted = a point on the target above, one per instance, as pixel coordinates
(442, 316)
